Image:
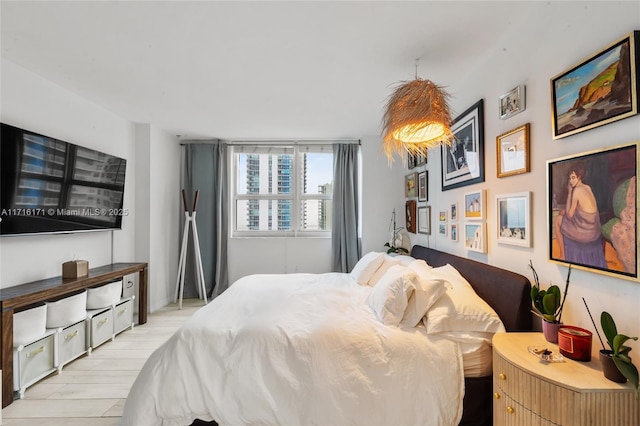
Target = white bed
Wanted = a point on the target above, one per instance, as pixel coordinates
(320, 349)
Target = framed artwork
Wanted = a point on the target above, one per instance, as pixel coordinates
(463, 160)
(474, 205)
(421, 158)
(454, 232)
(442, 216)
(410, 214)
(423, 186)
(512, 102)
(600, 89)
(424, 220)
(411, 161)
(592, 210)
(442, 229)
(475, 236)
(512, 152)
(410, 185)
(453, 212)
(513, 219)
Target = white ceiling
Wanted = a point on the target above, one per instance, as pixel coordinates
(258, 69)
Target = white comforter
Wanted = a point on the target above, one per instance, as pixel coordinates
(297, 349)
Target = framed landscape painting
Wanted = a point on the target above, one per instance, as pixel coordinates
(463, 160)
(592, 210)
(599, 90)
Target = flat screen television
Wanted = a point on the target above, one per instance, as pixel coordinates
(52, 186)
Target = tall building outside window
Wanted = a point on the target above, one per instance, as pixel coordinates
(282, 190)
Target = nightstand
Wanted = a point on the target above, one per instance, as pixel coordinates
(530, 392)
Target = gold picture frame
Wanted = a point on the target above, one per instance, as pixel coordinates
(513, 151)
(607, 244)
(573, 103)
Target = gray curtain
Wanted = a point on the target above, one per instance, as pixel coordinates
(345, 242)
(205, 166)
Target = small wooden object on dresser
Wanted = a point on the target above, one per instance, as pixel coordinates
(530, 392)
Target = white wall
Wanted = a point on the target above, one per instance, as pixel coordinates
(30, 102)
(157, 205)
(152, 196)
(543, 44)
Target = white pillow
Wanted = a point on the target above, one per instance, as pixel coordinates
(421, 267)
(426, 292)
(387, 263)
(460, 308)
(389, 297)
(403, 259)
(366, 267)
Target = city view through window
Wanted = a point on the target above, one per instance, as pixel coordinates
(284, 189)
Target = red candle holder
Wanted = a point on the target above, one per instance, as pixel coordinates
(575, 343)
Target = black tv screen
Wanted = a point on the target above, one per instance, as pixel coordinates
(53, 186)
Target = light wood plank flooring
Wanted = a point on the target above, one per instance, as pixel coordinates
(92, 389)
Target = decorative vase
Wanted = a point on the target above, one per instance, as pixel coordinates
(550, 330)
(609, 368)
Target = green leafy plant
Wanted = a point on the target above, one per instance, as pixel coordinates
(548, 304)
(620, 356)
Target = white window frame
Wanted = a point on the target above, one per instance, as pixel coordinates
(297, 149)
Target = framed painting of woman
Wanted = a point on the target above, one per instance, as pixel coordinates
(592, 205)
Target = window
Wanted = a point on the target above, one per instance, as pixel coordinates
(282, 190)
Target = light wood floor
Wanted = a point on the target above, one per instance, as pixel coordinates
(92, 389)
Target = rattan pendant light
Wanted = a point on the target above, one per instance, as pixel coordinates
(417, 117)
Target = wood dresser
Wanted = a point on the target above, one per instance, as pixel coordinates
(16, 298)
(530, 392)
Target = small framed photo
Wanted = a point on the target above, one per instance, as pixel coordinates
(410, 214)
(442, 216)
(410, 185)
(423, 186)
(514, 223)
(411, 161)
(474, 205)
(421, 158)
(599, 90)
(442, 229)
(454, 232)
(475, 236)
(424, 220)
(453, 212)
(512, 102)
(512, 152)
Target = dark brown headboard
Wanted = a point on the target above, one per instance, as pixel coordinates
(507, 292)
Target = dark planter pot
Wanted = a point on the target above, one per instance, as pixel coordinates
(550, 330)
(609, 368)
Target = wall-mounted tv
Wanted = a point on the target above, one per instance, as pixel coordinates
(51, 186)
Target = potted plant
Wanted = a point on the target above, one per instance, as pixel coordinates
(619, 354)
(399, 238)
(548, 304)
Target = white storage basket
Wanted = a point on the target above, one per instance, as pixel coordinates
(29, 325)
(67, 311)
(104, 296)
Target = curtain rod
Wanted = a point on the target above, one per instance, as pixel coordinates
(272, 142)
(285, 142)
